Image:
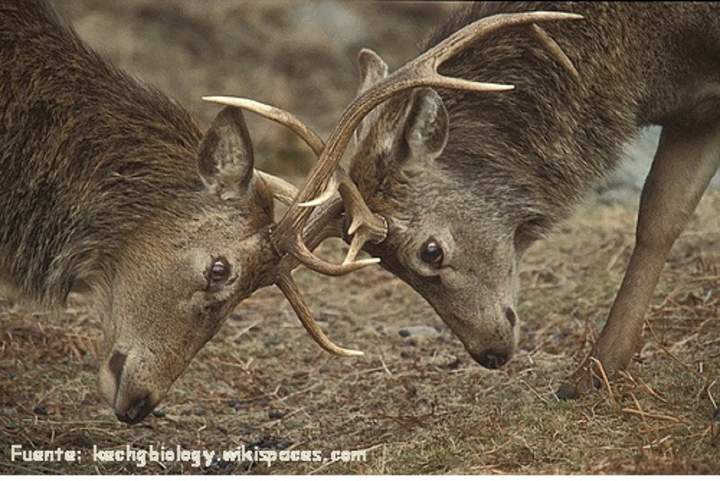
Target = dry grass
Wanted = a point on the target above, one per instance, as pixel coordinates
(419, 406)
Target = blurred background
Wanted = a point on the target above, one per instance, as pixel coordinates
(300, 56)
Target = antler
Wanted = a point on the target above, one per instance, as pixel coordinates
(318, 229)
(326, 178)
(422, 71)
(551, 45)
(281, 189)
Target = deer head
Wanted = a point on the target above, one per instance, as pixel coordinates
(399, 201)
(177, 280)
(451, 248)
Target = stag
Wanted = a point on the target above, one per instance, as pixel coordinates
(456, 185)
(109, 184)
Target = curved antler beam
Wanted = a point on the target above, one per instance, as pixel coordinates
(422, 71)
(296, 300)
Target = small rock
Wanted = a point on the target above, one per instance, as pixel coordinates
(274, 444)
(272, 341)
(415, 335)
(275, 414)
(456, 363)
(40, 410)
(416, 331)
(158, 413)
(236, 404)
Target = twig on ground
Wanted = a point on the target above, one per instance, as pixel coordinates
(605, 380)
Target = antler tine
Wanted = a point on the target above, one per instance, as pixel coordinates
(364, 226)
(300, 251)
(556, 51)
(325, 222)
(356, 245)
(296, 300)
(332, 187)
(459, 40)
(281, 189)
(422, 71)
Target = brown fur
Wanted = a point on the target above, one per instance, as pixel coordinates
(88, 155)
(109, 182)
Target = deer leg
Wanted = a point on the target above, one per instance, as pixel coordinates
(684, 164)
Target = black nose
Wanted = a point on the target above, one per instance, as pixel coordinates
(491, 359)
(137, 410)
(511, 316)
(116, 365)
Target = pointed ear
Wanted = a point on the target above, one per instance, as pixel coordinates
(373, 69)
(426, 126)
(226, 155)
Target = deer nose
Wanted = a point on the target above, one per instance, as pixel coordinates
(138, 410)
(491, 359)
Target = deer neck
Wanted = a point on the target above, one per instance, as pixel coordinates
(554, 137)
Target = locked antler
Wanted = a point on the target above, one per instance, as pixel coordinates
(320, 226)
(326, 177)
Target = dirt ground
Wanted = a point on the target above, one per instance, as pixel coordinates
(416, 402)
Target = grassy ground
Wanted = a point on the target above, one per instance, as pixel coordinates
(418, 404)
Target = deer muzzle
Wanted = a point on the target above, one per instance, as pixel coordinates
(130, 398)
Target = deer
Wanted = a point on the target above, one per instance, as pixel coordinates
(109, 184)
(456, 184)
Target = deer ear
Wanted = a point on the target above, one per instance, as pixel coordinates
(373, 70)
(225, 161)
(426, 125)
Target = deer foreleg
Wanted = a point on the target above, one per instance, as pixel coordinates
(684, 164)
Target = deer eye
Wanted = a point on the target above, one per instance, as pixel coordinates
(218, 272)
(431, 252)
